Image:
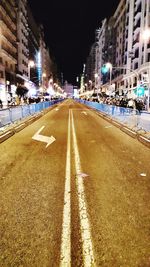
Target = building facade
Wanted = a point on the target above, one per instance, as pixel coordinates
(8, 48)
(22, 39)
(34, 47)
(123, 41)
(137, 54)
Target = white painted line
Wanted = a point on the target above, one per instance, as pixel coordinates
(88, 256)
(65, 258)
(47, 139)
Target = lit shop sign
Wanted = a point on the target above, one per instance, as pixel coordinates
(139, 91)
(39, 66)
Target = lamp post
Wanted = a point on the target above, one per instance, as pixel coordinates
(96, 77)
(31, 64)
(43, 76)
(109, 66)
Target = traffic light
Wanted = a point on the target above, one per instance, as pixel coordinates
(104, 69)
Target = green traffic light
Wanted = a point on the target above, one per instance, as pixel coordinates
(104, 69)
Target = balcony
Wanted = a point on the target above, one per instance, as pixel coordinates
(138, 2)
(136, 32)
(138, 8)
(137, 15)
(8, 11)
(9, 40)
(8, 52)
(7, 22)
(137, 23)
(136, 41)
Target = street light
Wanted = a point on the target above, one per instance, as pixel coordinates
(146, 34)
(31, 64)
(96, 77)
(109, 66)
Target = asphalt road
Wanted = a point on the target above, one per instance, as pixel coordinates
(82, 200)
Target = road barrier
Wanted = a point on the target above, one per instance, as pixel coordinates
(130, 117)
(13, 114)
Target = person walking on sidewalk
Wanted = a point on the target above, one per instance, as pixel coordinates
(138, 106)
(1, 104)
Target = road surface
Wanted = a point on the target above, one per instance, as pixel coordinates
(75, 191)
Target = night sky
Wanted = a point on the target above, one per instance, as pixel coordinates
(70, 29)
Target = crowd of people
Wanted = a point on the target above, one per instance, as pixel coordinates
(137, 103)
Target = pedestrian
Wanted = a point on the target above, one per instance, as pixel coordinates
(138, 106)
(1, 104)
(131, 105)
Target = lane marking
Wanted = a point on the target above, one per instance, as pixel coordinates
(108, 126)
(47, 139)
(65, 255)
(88, 256)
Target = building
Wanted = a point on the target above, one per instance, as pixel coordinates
(68, 89)
(137, 53)
(22, 39)
(120, 43)
(8, 48)
(123, 41)
(33, 46)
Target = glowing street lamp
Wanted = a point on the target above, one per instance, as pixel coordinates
(96, 77)
(109, 67)
(146, 34)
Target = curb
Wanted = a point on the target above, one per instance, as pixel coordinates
(6, 135)
(17, 128)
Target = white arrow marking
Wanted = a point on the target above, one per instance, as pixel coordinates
(42, 138)
(84, 112)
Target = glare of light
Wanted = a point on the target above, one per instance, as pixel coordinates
(26, 84)
(146, 34)
(51, 80)
(108, 65)
(96, 75)
(44, 74)
(31, 63)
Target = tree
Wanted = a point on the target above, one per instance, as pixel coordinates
(21, 91)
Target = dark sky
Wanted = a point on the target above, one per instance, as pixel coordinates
(69, 29)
